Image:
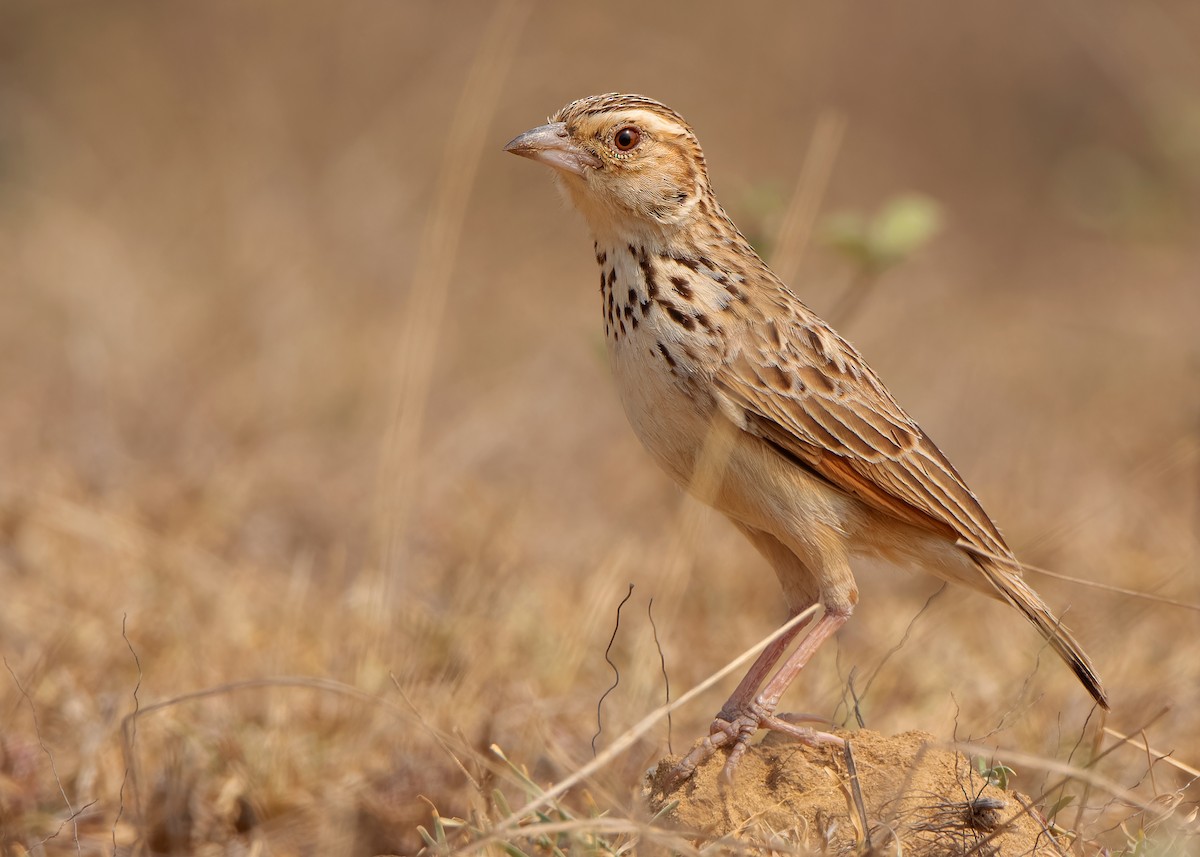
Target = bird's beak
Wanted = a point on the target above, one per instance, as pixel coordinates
(551, 145)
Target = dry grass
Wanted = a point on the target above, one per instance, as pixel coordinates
(246, 416)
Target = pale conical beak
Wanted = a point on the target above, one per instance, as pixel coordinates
(551, 145)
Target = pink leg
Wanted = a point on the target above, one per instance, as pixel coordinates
(762, 714)
(742, 717)
(825, 628)
(748, 686)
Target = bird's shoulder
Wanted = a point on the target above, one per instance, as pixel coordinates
(787, 361)
(796, 383)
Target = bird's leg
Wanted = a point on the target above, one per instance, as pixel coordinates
(748, 686)
(742, 716)
(762, 714)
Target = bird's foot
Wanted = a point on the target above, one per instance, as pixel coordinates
(734, 729)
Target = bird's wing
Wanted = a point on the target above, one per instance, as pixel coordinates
(806, 391)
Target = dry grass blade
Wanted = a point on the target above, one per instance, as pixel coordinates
(625, 741)
(417, 341)
(710, 468)
(1091, 584)
(1159, 754)
(130, 722)
(860, 810)
(796, 228)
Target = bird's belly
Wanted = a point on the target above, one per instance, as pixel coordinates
(671, 420)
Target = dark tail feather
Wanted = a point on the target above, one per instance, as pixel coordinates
(1018, 593)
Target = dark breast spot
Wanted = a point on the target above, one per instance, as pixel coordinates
(648, 274)
(666, 355)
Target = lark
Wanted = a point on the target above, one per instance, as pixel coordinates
(819, 463)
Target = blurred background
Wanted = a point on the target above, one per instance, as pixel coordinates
(301, 375)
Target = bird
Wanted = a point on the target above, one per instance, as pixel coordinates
(817, 463)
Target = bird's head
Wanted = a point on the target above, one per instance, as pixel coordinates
(631, 165)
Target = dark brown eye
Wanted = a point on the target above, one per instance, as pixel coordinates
(626, 138)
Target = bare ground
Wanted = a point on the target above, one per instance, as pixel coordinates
(916, 798)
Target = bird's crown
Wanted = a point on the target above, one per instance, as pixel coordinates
(631, 164)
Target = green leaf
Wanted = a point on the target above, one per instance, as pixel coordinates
(904, 225)
(1060, 804)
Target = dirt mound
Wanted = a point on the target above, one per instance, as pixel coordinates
(917, 798)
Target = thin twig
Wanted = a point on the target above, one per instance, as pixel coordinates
(37, 730)
(616, 672)
(130, 772)
(662, 661)
(904, 639)
(1037, 818)
(856, 792)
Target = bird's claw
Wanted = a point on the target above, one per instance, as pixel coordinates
(736, 728)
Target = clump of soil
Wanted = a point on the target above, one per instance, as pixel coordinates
(917, 798)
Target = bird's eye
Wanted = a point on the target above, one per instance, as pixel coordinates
(626, 138)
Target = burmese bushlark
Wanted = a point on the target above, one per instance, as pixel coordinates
(819, 463)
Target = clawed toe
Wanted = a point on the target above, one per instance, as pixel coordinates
(721, 732)
(734, 730)
(750, 709)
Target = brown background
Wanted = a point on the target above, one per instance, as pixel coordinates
(213, 313)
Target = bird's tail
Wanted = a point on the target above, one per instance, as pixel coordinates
(1019, 594)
